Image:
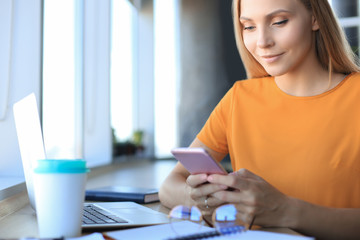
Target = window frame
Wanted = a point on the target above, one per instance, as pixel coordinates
(96, 124)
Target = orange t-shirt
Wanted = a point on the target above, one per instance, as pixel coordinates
(307, 147)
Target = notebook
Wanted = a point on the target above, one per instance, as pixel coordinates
(192, 231)
(31, 144)
(123, 193)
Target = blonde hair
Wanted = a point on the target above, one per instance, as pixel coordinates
(332, 48)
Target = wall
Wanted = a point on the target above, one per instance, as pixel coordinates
(210, 62)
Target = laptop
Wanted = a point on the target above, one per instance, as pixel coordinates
(97, 215)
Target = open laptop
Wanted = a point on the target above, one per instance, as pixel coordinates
(113, 214)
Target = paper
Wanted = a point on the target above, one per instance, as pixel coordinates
(158, 232)
(166, 231)
(93, 236)
(261, 235)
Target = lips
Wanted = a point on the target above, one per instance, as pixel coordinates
(271, 58)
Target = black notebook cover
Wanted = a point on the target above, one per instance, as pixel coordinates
(123, 193)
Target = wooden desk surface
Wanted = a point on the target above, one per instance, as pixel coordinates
(23, 223)
(137, 173)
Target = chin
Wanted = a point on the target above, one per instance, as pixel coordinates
(274, 73)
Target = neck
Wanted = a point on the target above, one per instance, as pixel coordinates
(312, 85)
(309, 79)
(305, 84)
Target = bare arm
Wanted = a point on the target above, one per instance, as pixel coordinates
(256, 199)
(176, 189)
(326, 223)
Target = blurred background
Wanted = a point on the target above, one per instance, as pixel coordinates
(170, 63)
(120, 79)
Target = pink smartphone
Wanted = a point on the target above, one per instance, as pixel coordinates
(197, 160)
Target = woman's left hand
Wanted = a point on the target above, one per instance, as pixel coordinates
(255, 199)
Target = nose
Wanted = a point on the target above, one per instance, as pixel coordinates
(265, 38)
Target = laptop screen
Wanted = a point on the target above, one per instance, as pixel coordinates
(30, 138)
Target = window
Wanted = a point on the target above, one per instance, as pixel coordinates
(166, 76)
(144, 76)
(62, 78)
(123, 38)
(76, 67)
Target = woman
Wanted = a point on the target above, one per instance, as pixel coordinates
(292, 129)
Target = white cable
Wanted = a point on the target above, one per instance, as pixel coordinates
(6, 102)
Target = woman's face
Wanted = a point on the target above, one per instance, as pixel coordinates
(278, 33)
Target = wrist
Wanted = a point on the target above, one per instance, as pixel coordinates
(292, 213)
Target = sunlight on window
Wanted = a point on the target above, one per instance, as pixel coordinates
(165, 76)
(59, 79)
(122, 69)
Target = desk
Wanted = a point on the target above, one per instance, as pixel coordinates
(137, 173)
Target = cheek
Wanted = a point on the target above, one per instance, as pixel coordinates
(290, 39)
(296, 38)
(250, 43)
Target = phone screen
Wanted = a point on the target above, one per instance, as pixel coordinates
(197, 160)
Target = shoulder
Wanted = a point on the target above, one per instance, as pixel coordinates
(352, 81)
(354, 75)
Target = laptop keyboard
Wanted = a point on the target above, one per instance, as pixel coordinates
(95, 215)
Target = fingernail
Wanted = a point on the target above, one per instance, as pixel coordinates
(223, 186)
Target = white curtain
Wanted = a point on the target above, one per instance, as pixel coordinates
(20, 72)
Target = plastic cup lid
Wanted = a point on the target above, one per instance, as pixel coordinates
(61, 166)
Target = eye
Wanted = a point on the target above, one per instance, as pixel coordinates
(283, 22)
(249, 28)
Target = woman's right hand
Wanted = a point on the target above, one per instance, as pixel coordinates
(200, 191)
(181, 188)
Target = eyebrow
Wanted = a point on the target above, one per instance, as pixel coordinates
(268, 15)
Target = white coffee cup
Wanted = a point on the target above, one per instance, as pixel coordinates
(59, 187)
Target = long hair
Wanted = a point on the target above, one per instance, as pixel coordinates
(332, 48)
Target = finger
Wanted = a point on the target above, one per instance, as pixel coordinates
(208, 204)
(214, 202)
(233, 181)
(205, 190)
(196, 180)
(243, 197)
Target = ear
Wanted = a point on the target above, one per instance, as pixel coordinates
(314, 24)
